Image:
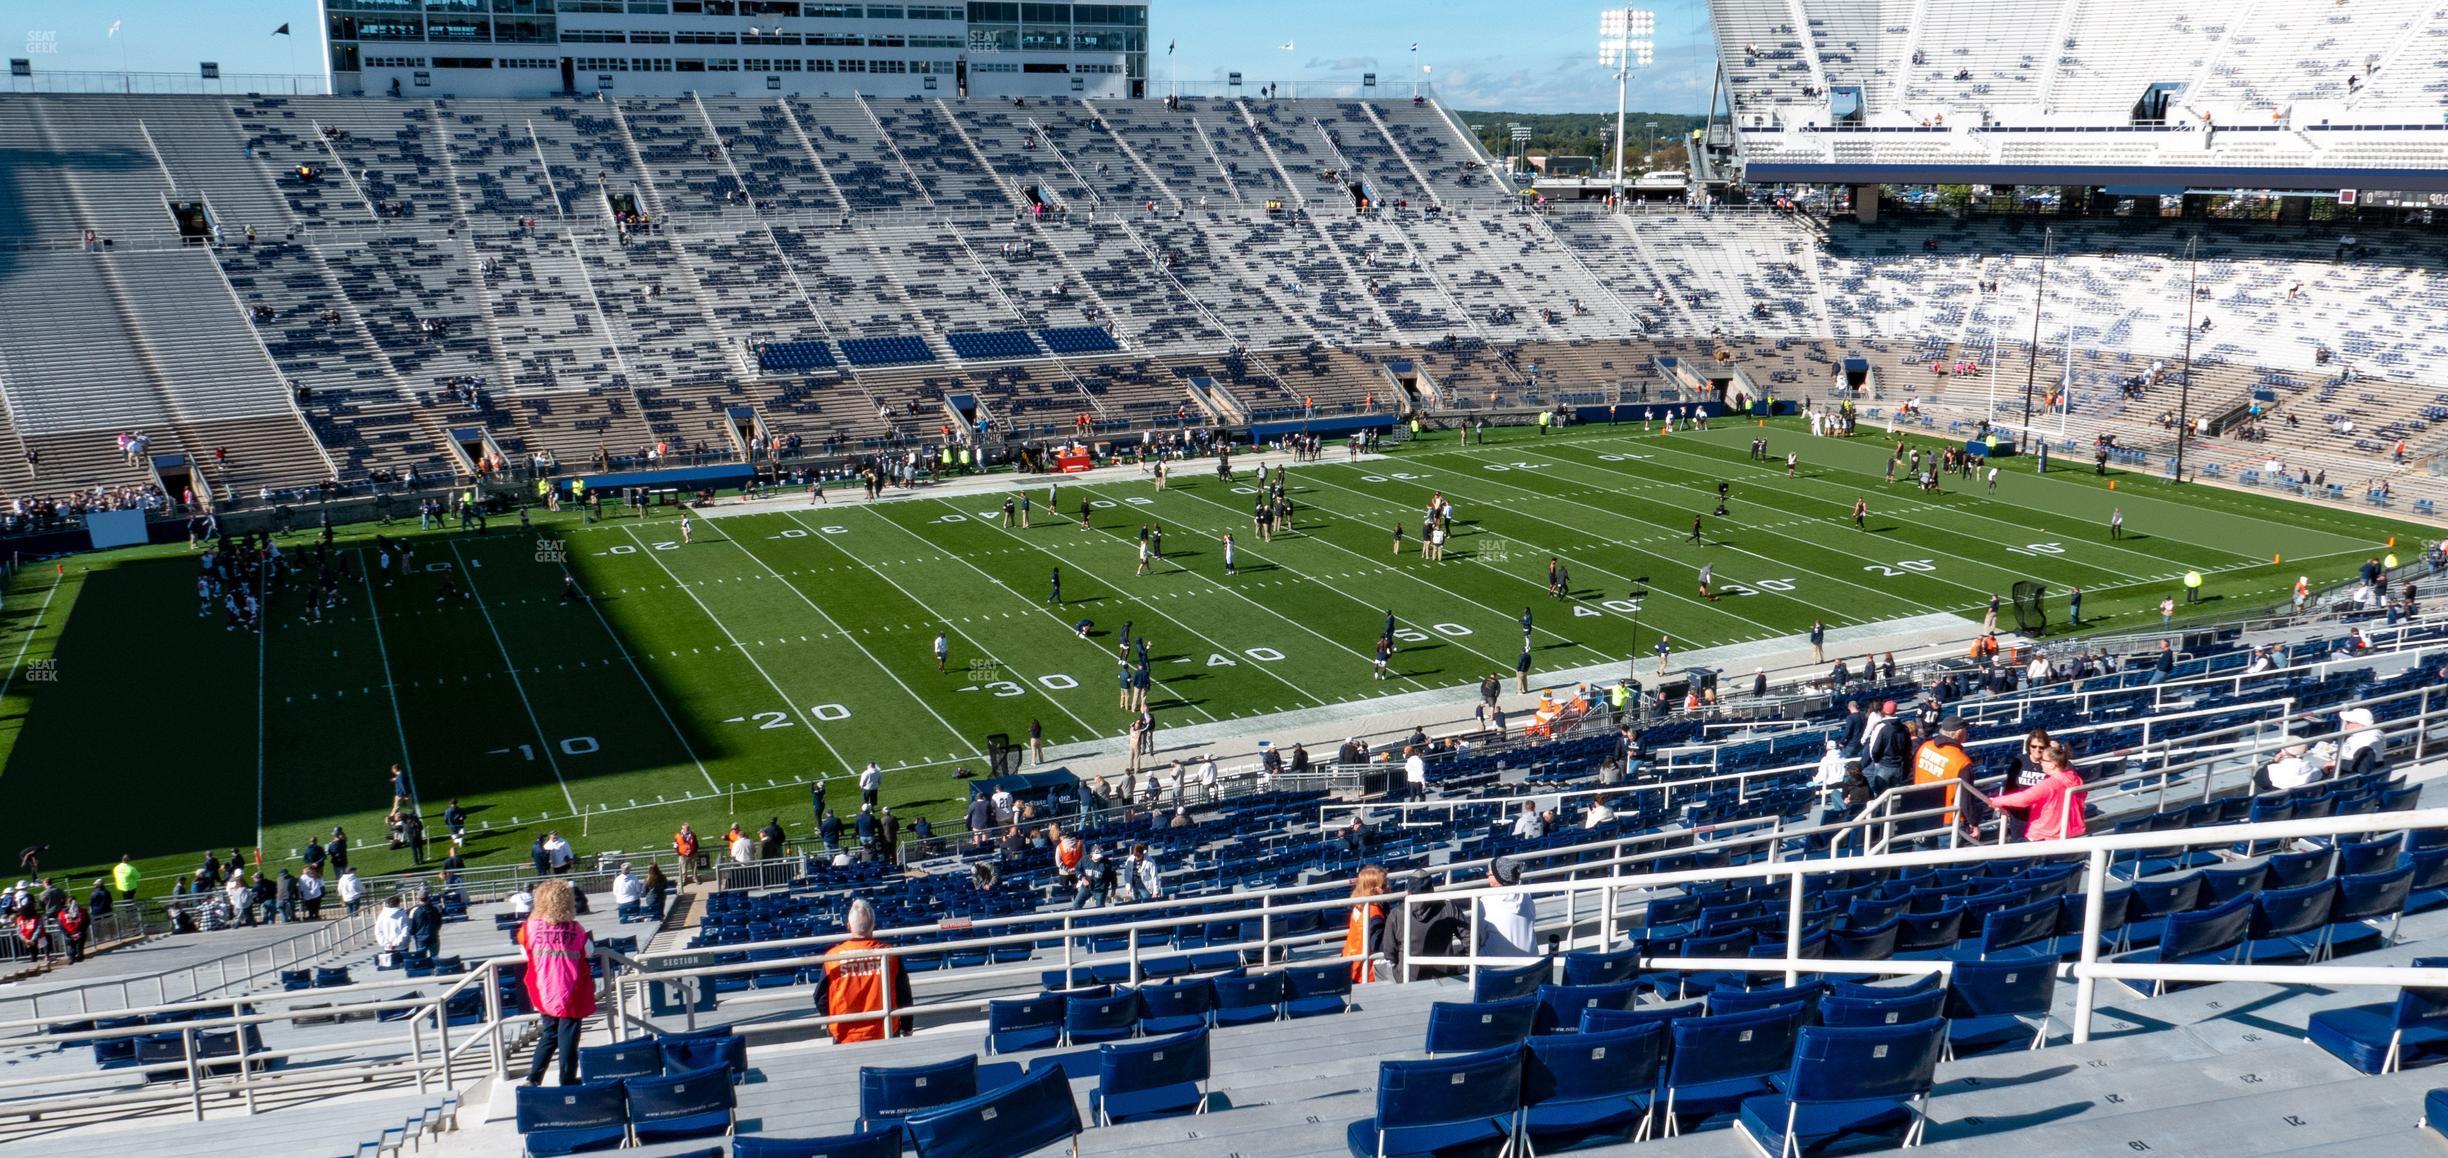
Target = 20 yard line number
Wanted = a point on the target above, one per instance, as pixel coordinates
(768, 721)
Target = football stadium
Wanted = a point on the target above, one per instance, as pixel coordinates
(1902, 618)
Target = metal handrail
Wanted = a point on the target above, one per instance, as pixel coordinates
(2098, 849)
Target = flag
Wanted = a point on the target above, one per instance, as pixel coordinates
(1287, 46)
(1415, 46)
(283, 30)
(1169, 46)
(114, 29)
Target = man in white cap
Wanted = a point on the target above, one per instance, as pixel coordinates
(1504, 919)
(2365, 748)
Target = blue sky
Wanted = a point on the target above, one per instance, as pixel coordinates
(1525, 56)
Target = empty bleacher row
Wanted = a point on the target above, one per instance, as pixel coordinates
(397, 253)
(2077, 62)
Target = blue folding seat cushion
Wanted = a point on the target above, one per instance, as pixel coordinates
(1441, 1105)
(692, 1104)
(695, 1049)
(1591, 1086)
(635, 1058)
(1246, 1000)
(1175, 1006)
(1473, 1026)
(1145, 1079)
(1500, 982)
(2410, 1031)
(1012, 1120)
(1101, 1017)
(888, 1093)
(569, 1119)
(1848, 1085)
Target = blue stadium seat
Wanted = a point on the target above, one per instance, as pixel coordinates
(1843, 1011)
(1594, 967)
(1602, 1020)
(1150, 1079)
(1806, 993)
(1849, 1085)
(635, 1058)
(1504, 982)
(694, 1104)
(1078, 339)
(1177, 1006)
(2288, 924)
(1248, 1000)
(1442, 1105)
(994, 344)
(1023, 1023)
(1718, 1061)
(885, 1142)
(2363, 899)
(1313, 990)
(1469, 1027)
(2382, 1039)
(695, 1049)
(786, 357)
(1101, 1017)
(1020, 1118)
(1560, 1006)
(900, 351)
(570, 1119)
(2212, 936)
(1591, 1087)
(888, 1094)
(1994, 1003)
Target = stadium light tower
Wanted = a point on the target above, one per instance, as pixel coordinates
(1626, 36)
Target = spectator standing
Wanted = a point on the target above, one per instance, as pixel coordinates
(391, 928)
(352, 891)
(2053, 807)
(1504, 919)
(125, 877)
(858, 983)
(425, 925)
(560, 978)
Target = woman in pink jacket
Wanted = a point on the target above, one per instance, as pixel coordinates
(560, 978)
(2053, 808)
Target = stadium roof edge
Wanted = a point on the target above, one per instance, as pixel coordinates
(2156, 176)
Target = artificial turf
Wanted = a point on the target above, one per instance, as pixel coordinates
(700, 681)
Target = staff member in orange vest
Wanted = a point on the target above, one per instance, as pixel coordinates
(856, 984)
(1941, 759)
(684, 844)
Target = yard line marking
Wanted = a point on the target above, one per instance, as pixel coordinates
(1740, 525)
(1041, 689)
(787, 700)
(726, 537)
(1921, 504)
(56, 579)
(1211, 640)
(1533, 491)
(544, 743)
(1444, 591)
(390, 682)
(1654, 587)
(651, 697)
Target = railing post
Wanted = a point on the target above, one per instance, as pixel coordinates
(195, 1073)
(2086, 986)
(2423, 730)
(494, 1028)
(246, 1080)
(1793, 929)
(442, 1032)
(416, 1047)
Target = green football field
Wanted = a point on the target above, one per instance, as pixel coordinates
(797, 642)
